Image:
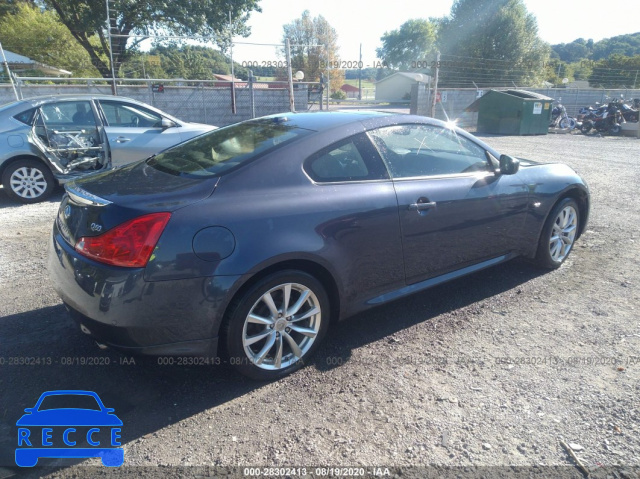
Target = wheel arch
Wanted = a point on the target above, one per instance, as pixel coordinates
(5, 164)
(310, 267)
(581, 197)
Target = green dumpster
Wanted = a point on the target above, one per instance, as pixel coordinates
(512, 112)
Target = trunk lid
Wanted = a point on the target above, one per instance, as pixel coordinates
(96, 203)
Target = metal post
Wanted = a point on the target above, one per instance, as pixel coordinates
(233, 82)
(435, 87)
(328, 76)
(252, 96)
(6, 65)
(114, 87)
(287, 50)
(635, 80)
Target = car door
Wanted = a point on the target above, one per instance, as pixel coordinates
(69, 135)
(454, 210)
(135, 132)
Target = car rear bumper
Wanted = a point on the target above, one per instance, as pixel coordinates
(118, 308)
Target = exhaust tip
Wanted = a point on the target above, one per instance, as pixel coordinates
(84, 329)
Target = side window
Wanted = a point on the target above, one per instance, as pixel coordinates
(129, 115)
(68, 115)
(347, 160)
(26, 117)
(426, 150)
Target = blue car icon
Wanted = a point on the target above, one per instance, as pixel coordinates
(69, 424)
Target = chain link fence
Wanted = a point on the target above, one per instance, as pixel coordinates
(213, 102)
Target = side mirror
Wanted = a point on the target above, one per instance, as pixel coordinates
(166, 123)
(508, 165)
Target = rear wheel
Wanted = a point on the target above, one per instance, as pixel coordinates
(28, 181)
(276, 325)
(586, 127)
(615, 129)
(558, 235)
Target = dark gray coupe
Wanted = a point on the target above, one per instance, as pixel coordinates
(247, 241)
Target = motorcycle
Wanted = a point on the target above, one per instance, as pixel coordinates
(560, 119)
(608, 122)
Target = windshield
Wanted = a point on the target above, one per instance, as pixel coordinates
(66, 401)
(224, 149)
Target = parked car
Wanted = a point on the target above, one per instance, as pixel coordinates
(250, 239)
(50, 140)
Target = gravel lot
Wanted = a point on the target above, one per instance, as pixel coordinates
(496, 369)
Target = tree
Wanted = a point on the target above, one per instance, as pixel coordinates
(617, 71)
(190, 62)
(413, 44)
(11, 7)
(41, 36)
(207, 18)
(311, 39)
(491, 42)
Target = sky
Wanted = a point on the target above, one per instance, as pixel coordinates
(365, 21)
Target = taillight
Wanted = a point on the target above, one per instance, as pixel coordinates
(129, 244)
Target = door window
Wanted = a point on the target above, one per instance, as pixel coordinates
(427, 150)
(68, 115)
(129, 115)
(352, 159)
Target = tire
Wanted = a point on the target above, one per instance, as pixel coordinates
(615, 129)
(586, 127)
(264, 343)
(567, 123)
(28, 181)
(558, 235)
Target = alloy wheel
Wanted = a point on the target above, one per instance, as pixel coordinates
(281, 326)
(563, 233)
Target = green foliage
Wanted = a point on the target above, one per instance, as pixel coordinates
(207, 18)
(314, 42)
(368, 74)
(11, 7)
(500, 32)
(187, 61)
(617, 71)
(339, 95)
(414, 41)
(627, 45)
(41, 36)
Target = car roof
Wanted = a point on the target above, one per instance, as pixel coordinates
(323, 120)
(40, 100)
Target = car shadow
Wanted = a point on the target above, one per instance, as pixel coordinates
(42, 350)
(7, 202)
(375, 324)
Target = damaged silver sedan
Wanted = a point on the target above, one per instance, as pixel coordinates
(49, 140)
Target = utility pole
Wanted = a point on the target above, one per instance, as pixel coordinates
(6, 65)
(360, 75)
(233, 78)
(435, 88)
(114, 87)
(287, 49)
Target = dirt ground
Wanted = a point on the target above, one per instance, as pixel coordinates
(485, 376)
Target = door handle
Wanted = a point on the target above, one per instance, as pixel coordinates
(122, 139)
(422, 204)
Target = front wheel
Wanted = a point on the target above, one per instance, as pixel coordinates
(28, 181)
(615, 129)
(586, 127)
(558, 235)
(276, 325)
(568, 123)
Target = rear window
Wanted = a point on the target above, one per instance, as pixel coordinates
(222, 150)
